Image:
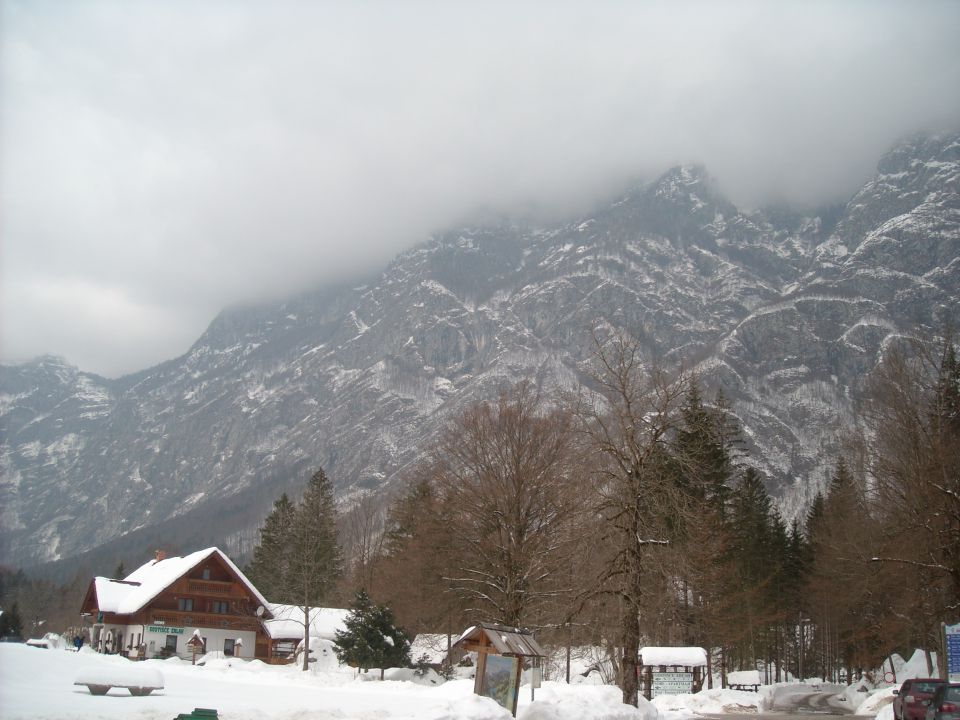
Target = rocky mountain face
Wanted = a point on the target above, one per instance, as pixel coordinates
(787, 314)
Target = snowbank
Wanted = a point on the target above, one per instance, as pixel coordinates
(717, 701)
(915, 667)
(559, 701)
(875, 701)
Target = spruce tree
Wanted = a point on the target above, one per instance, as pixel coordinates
(750, 554)
(371, 638)
(297, 561)
(314, 560)
(11, 623)
(269, 568)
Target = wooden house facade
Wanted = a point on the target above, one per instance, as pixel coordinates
(157, 609)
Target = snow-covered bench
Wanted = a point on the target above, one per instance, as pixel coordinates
(138, 680)
(744, 680)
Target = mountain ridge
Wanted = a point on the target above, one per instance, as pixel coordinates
(786, 313)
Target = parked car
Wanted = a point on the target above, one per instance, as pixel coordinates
(945, 703)
(910, 702)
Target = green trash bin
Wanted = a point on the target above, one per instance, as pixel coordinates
(198, 714)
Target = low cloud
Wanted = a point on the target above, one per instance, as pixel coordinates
(164, 160)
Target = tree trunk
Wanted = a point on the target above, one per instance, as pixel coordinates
(631, 649)
(709, 667)
(306, 637)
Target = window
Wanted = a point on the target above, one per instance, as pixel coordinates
(228, 646)
(171, 643)
(185, 604)
(220, 606)
(206, 573)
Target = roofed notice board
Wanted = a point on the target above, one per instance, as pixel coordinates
(670, 683)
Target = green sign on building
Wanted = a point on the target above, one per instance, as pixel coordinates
(166, 630)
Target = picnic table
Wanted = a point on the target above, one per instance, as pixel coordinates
(138, 680)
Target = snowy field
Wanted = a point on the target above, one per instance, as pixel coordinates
(38, 684)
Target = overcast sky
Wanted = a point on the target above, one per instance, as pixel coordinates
(162, 160)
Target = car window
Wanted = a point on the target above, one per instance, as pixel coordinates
(952, 693)
(927, 687)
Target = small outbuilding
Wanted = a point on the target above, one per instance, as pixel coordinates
(672, 670)
(501, 654)
(285, 628)
(431, 649)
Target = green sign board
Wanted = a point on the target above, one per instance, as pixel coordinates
(165, 630)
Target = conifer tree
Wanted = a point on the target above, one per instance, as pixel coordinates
(10, 622)
(298, 561)
(314, 561)
(371, 638)
(270, 565)
(410, 573)
(750, 554)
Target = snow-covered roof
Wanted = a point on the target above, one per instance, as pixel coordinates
(111, 593)
(135, 591)
(287, 622)
(505, 640)
(691, 656)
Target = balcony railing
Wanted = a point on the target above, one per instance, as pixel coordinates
(199, 619)
(209, 587)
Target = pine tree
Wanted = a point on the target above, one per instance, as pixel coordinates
(297, 561)
(750, 554)
(701, 447)
(269, 567)
(11, 623)
(700, 453)
(314, 559)
(410, 574)
(371, 638)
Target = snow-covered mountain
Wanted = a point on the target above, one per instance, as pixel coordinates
(786, 313)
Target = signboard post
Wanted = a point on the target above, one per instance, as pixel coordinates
(951, 646)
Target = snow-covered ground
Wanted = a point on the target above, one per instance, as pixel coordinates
(38, 684)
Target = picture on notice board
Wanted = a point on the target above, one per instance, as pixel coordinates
(499, 680)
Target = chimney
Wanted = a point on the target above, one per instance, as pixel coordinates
(159, 555)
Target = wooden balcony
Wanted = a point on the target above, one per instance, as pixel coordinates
(212, 587)
(201, 619)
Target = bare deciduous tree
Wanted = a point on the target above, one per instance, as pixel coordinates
(627, 430)
(914, 423)
(504, 477)
(361, 533)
